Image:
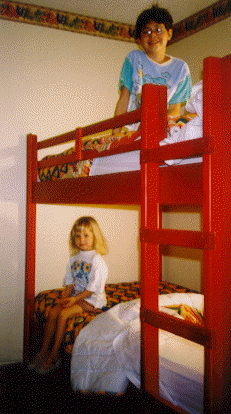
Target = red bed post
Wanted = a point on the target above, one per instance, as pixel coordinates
(30, 242)
(154, 128)
(215, 239)
(217, 219)
(78, 143)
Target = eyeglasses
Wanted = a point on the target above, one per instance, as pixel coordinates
(148, 32)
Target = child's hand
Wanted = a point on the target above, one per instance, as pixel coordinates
(116, 131)
(66, 302)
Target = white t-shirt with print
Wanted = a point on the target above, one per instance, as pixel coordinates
(88, 270)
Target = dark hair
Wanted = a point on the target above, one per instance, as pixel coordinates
(155, 14)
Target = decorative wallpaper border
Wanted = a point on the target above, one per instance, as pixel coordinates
(56, 19)
(47, 17)
(201, 20)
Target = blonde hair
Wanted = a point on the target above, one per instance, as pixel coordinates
(90, 223)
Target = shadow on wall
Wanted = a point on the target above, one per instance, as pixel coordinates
(12, 249)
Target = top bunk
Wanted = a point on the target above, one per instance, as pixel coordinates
(182, 182)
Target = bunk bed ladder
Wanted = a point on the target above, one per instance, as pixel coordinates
(213, 240)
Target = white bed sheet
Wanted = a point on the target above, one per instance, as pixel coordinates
(130, 161)
(106, 355)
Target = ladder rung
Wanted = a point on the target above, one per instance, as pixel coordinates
(190, 331)
(193, 148)
(183, 238)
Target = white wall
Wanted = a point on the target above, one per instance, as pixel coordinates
(51, 81)
(213, 41)
(120, 227)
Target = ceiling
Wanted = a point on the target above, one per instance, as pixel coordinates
(123, 11)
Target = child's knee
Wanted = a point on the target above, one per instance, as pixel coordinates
(54, 312)
(64, 314)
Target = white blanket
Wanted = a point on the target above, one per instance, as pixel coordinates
(106, 355)
(191, 130)
(130, 161)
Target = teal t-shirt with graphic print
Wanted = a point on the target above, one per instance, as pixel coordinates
(138, 69)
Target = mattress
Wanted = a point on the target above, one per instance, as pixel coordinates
(115, 293)
(129, 161)
(106, 355)
(183, 128)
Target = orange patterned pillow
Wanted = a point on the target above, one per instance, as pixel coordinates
(186, 312)
(179, 121)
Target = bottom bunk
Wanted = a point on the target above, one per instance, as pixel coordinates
(115, 292)
(106, 354)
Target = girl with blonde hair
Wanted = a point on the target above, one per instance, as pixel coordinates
(84, 288)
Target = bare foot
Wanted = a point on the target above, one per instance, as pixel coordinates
(39, 359)
(48, 365)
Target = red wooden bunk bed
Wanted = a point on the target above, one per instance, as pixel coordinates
(206, 184)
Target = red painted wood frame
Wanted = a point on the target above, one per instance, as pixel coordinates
(209, 185)
(215, 240)
(217, 219)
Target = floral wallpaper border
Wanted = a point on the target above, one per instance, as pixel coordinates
(201, 20)
(57, 19)
(47, 17)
